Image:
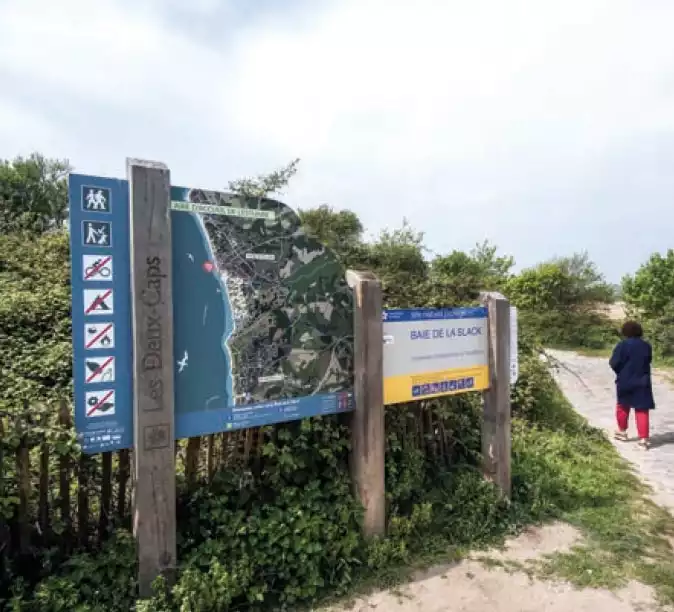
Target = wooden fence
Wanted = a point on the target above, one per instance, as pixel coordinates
(52, 497)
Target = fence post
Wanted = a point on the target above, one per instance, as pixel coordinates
(368, 434)
(154, 522)
(496, 441)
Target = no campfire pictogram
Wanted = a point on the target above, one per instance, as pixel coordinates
(98, 302)
(99, 336)
(100, 403)
(99, 369)
(97, 267)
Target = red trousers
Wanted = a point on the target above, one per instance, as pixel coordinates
(643, 424)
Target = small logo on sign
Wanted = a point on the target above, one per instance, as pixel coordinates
(100, 403)
(96, 199)
(98, 302)
(97, 267)
(96, 233)
(99, 369)
(99, 336)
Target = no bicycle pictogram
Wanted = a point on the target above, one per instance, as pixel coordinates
(100, 403)
(99, 369)
(98, 302)
(99, 336)
(97, 267)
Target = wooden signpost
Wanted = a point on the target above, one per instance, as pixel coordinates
(496, 441)
(154, 522)
(368, 435)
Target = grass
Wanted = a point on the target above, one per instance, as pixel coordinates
(579, 473)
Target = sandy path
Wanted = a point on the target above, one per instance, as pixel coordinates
(588, 384)
(471, 586)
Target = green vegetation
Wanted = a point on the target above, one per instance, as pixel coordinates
(561, 301)
(279, 529)
(649, 295)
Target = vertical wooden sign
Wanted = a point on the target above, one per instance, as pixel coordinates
(152, 314)
(496, 426)
(368, 434)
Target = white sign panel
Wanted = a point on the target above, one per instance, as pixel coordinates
(434, 352)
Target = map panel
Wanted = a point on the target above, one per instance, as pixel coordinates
(263, 316)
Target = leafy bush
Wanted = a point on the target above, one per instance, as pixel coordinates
(561, 303)
(35, 325)
(651, 290)
(649, 295)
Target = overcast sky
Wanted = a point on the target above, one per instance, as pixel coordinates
(546, 127)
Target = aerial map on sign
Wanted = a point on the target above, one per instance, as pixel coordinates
(263, 317)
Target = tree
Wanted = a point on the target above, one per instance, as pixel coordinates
(651, 290)
(495, 268)
(339, 230)
(33, 194)
(461, 276)
(561, 302)
(265, 184)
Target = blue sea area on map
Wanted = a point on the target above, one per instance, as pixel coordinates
(202, 321)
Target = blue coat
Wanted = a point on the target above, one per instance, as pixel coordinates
(631, 361)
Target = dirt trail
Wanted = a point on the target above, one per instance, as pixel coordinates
(588, 384)
(472, 586)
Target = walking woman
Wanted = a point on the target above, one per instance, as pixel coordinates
(631, 361)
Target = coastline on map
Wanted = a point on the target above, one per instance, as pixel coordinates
(230, 325)
(202, 322)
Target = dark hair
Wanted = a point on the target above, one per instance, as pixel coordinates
(631, 329)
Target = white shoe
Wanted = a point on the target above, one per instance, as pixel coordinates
(620, 435)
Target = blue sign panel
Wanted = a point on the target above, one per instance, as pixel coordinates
(263, 319)
(101, 312)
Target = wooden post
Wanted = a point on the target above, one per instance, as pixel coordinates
(43, 495)
(106, 498)
(368, 434)
(65, 421)
(154, 522)
(192, 456)
(24, 484)
(123, 470)
(83, 479)
(496, 441)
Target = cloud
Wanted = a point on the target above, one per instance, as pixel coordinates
(483, 119)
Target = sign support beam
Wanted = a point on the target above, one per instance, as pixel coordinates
(496, 425)
(154, 521)
(368, 435)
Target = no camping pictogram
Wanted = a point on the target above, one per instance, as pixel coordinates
(97, 267)
(100, 403)
(99, 369)
(99, 336)
(98, 302)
